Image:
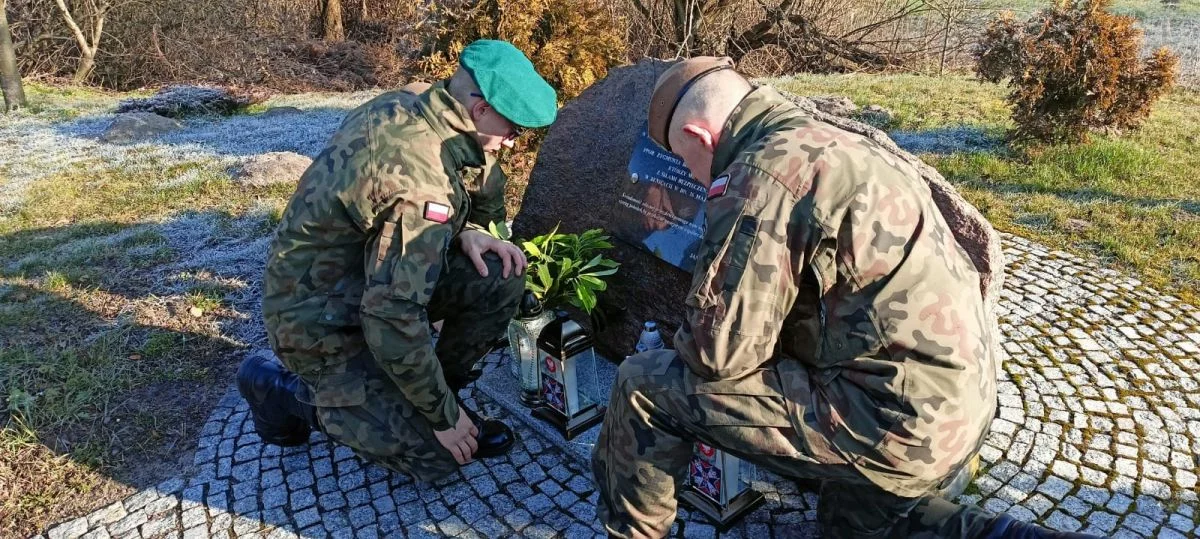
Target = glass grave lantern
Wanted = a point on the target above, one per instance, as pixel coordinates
(569, 391)
(718, 485)
(523, 332)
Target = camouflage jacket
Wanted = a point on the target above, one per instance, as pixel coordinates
(825, 256)
(362, 243)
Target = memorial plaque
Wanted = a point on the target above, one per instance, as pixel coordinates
(661, 206)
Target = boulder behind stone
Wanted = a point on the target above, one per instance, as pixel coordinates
(136, 126)
(280, 111)
(271, 168)
(835, 105)
(582, 166)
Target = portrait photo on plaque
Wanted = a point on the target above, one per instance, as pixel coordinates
(661, 207)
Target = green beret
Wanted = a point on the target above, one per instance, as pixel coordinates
(509, 83)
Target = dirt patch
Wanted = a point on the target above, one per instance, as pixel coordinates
(31, 476)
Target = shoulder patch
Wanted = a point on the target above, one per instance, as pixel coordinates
(438, 213)
(719, 185)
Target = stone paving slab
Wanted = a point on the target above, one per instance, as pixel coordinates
(500, 386)
(1098, 430)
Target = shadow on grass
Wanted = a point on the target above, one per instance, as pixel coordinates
(102, 363)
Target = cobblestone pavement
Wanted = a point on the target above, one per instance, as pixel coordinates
(1098, 430)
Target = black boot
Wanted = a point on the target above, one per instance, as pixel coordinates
(270, 389)
(495, 438)
(1007, 527)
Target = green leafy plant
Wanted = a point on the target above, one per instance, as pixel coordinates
(568, 268)
(499, 231)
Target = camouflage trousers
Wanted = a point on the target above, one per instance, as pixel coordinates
(658, 409)
(382, 425)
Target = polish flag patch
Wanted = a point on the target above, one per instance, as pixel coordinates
(718, 186)
(438, 213)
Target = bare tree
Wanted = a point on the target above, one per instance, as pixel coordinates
(331, 20)
(93, 14)
(804, 35)
(954, 15)
(10, 76)
(805, 29)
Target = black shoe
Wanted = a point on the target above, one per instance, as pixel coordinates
(494, 439)
(270, 389)
(1007, 527)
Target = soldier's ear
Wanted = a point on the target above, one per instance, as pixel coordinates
(479, 109)
(702, 135)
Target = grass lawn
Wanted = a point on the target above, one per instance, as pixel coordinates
(116, 334)
(1133, 200)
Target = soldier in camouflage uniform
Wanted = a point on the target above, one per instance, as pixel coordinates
(834, 330)
(385, 234)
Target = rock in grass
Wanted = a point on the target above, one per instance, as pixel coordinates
(577, 185)
(271, 169)
(137, 126)
(835, 105)
(280, 111)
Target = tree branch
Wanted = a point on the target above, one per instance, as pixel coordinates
(101, 15)
(641, 7)
(79, 38)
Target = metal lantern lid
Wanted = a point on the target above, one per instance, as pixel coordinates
(530, 305)
(564, 337)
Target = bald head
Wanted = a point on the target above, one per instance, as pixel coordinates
(709, 102)
(690, 124)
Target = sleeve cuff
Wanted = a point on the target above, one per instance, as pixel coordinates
(445, 415)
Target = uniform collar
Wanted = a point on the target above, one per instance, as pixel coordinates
(755, 116)
(452, 122)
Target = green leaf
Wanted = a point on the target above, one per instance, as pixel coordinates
(593, 282)
(592, 263)
(532, 249)
(603, 273)
(499, 230)
(587, 298)
(544, 275)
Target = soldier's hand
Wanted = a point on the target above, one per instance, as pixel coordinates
(460, 440)
(474, 243)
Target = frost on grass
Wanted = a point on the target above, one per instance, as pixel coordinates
(949, 140)
(204, 249)
(245, 136)
(138, 236)
(215, 249)
(39, 146)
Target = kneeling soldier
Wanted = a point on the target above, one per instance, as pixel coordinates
(834, 330)
(384, 235)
